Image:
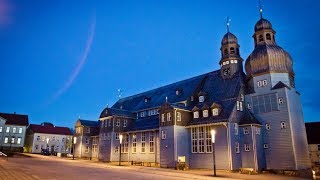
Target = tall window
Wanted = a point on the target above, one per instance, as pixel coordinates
(232, 51)
(116, 150)
(143, 142)
(8, 130)
(260, 38)
(117, 136)
(134, 143)
(201, 139)
(208, 140)
(151, 141)
(194, 137)
(196, 114)
(125, 123)
(109, 122)
(12, 140)
(87, 140)
(163, 118)
(78, 130)
(0, 129)
(178, 116)
(257, 130)
(239, 106)
(163, 134)
(88, 129)
(6, 140)
(19, 140)
(268, 36)
(168, 116)
(125, 143)
(14, 130)
(205, 113)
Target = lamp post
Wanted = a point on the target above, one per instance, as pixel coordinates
(74, 146)
(47, 145)
(213, 138)
(120, 138)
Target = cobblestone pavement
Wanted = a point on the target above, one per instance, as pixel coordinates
(51, 167)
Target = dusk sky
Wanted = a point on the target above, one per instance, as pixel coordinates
(64, 59)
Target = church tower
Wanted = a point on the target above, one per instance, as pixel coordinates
(230, 62)
(275, 102)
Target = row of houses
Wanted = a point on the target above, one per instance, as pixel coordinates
(17, 135)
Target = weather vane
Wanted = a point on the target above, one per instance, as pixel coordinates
(260, 8)
(228, 23)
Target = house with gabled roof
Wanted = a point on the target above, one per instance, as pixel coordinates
(48, 137)
(13, 131)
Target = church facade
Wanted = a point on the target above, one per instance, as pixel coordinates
(256, 114)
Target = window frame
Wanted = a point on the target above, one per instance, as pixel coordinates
(143, 142)
(163, 134)
(247, 147)
(246, 130)
(151, 142)
(196, 114)
(205, 113)
(215, 111)
(163, 117)
(283, 125)
(268, 126)
(201, 99)
(178, 116)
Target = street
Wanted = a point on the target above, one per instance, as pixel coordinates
(52, 167)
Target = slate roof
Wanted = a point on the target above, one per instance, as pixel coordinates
(89, 123)
(158, 96)
(280, 85)
(50, 129)
(113, 111)
(313, 129)
(150, 122)
(15, 119)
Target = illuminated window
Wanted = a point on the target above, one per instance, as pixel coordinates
(168, 116)
(125, 123)
(196, 114)
(163, 118)
(205, 113)
(14, 130)
(7, 129)
(151, 141)
(143, 142)
(118, 122)
(201, 140)
(134, 143)
(0, 129)
(178, 116)
(215, 112)
(6, 140)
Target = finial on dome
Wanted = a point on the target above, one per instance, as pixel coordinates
(260, 8)
(228, 23)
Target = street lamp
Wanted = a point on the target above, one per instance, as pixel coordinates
(47, 144)
(74, 146)
(120, 138)
(213, 138)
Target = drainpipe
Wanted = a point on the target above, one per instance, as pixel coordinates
(229, 145)
(254, 148)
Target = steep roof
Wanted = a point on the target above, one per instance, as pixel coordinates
(89, 123)
(15, 119)
(150, 122)
(313, 129)
(45, 129)
(157, 97)
(280, 85)
(113, 111)
(248, 118)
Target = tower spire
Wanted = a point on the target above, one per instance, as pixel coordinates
(228, 23)
(260, 8)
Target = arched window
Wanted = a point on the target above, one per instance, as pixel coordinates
(232, 50)
(226, 51)
(260, 38)
(268, 36)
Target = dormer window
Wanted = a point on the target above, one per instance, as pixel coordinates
(205, 113)
(201, 98)
(215, 112)
(168, 116)
(142, 114)
(163, 118)
(196, 114)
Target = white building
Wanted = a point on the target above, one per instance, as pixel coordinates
(12, 131)
(46, 136)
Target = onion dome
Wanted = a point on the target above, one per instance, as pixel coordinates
(268, 58)
(262, 24)
(229, 38)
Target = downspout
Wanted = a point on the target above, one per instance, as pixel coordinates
(175, 138)
(229, 145)
(254, 148)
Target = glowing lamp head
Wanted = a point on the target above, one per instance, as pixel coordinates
(213, 135)
(120, 138)
(47, 140)
(74, 140)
